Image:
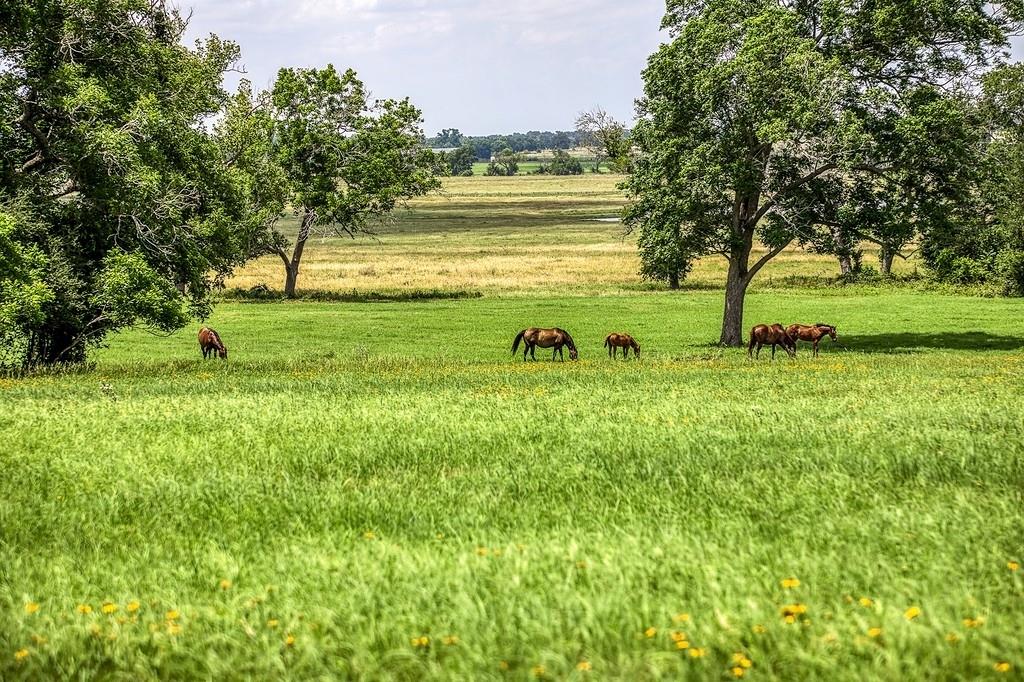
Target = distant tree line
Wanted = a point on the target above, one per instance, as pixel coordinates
(484, 147)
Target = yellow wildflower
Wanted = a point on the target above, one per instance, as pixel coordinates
(503, 665)
(109, 608)
(584, 666)
(740, 659)
(289, 640)
(790, 583)
(973, 622)
(132, 606)
(482, 551)
(681, 618)
(369, 535)
(866, 602)
(21, 654)
(760, 629)
(451, 640)
(1013, 565)
(874, 632)
(677, 636)
(738, 671)
(912, 613)
(581, 565)
(952, 638)
(420, 642)
(173, 628)
(272, 623)
(791, 611)
(698, 652)
(31, 607)
(225, 584)
(84, 608)
(650, 632)
(538, 671)
(1002, 667)
(682, 644)
(39, 640)
(172, 615)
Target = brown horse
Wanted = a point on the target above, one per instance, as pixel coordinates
(776, 335)
(210, 343)
(624, 341)
(553, 338)
(813, 333)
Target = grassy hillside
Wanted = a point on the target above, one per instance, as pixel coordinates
(380, 491)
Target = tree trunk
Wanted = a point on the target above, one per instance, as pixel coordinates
(845, 264)
(735, 292)
(291, 266)
(673, 280)
(885, 256)
(843, 251)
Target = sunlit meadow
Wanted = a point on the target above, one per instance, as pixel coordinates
(380, 491)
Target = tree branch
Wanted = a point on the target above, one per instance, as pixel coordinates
(764, 259)
(772, 201)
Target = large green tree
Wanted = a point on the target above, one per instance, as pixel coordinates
(782, 121)
(117, 206)
(991, 248)
(347, 161)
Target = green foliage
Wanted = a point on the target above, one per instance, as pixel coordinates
(130, 291)
(505, 163)
(460, 162)
(990, 245)
(563, 164)
(104, 145)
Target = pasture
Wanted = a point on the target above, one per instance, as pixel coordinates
(380, 491)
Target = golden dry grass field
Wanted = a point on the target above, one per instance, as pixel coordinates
(502, 235)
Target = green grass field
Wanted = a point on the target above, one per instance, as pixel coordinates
(380, 491)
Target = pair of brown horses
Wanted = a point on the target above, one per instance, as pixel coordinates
(557, 339)
(787, 337)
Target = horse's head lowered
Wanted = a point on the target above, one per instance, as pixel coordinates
(573, 354)
(223, 351)
(830, 330)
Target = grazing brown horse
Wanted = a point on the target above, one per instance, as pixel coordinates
(624, 341)
(210, 343)
(553, 338)
(813, 333)
(776, 335)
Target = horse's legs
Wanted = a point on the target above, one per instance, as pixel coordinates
(625, 352)
(773, 352)
(816, 347)
(757, 355)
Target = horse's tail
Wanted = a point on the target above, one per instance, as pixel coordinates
(515, 344)
(608, 341)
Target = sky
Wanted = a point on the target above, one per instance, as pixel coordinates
(482, 66)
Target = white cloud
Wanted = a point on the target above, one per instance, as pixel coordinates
(481, 65)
